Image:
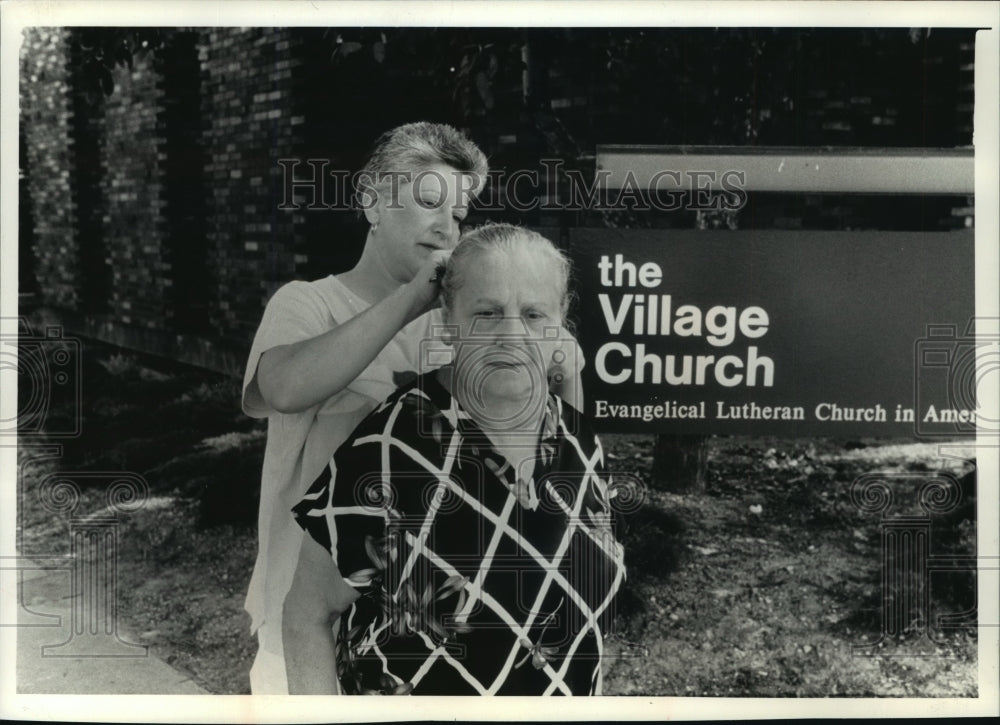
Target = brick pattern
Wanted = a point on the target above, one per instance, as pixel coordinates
(46, 116)
(250, 246)
(248, 79)
(133, 182)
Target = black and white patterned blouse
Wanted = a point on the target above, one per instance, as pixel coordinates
(471, 581)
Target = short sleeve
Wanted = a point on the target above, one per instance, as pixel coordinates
(345, 514)
(296, 312)
(372, 497)
(311, 513)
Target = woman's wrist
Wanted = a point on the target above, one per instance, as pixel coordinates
(416, 297)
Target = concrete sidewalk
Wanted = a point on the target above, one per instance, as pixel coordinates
(51, 661)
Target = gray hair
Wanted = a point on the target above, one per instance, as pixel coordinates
(512, 240)
(416, 146)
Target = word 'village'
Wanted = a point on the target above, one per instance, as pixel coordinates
(654, 315)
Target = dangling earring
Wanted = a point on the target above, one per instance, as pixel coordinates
(374, 226)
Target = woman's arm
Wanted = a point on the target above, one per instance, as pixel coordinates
(292, 378)
(317, 598)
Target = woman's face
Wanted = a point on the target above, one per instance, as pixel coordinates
(419, 213)
(508, 317)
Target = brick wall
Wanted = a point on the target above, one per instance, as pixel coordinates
(155, 209)
(132, 144)
(46, 117)
(248, 80)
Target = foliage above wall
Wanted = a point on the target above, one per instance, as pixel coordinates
(99, 50)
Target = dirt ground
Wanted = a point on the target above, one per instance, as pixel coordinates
(768, 583)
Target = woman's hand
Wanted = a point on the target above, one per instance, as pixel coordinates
(424, 288)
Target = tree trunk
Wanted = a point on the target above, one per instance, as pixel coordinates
(680, 463)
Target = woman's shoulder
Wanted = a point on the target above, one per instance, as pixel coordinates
(326, 298)
(407, 413)
(298, 288)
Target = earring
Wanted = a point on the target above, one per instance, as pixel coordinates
(374, 226)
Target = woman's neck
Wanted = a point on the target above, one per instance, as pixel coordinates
(368, 279)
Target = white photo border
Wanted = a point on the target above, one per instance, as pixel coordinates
(140, 708)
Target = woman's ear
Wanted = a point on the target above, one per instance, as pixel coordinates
(372, 205)
(372, 215)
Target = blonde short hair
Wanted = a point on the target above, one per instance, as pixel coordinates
(415, 146)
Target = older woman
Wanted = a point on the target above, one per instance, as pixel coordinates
(467, 541)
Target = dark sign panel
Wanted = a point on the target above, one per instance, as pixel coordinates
(793, 333)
